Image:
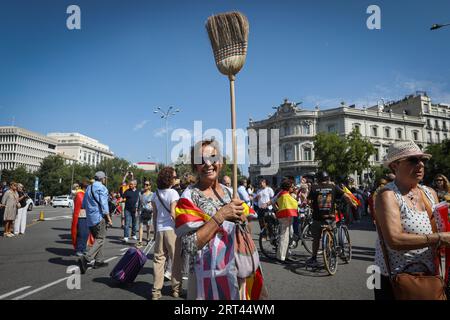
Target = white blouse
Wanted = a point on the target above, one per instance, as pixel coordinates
(413, 222)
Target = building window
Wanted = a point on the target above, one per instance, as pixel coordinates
(332, 128)
(377, 155)
(429, 123)
(306, 128)
(357, 127)
(375, 131)
(445, 136)
(415, 135)
(438, 138)
(436, 124)
(307, 154)
(399, 134)
(430, 138)
(288, 153)
(387, 132)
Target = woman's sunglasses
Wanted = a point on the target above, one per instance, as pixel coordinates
(439, 180)
(210, 160)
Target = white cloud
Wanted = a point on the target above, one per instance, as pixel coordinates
(140, 125)
(161, 132)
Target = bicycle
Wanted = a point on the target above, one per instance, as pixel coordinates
(335, 243)
(269, 236)
(305, 236)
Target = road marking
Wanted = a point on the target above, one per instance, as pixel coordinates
(58, 218)
(124, 249)
(14, 292)
(41, 288)
(111, 259)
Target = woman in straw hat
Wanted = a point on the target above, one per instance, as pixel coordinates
(402, 211)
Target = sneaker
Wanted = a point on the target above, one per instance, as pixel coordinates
(156, 295)
(79, 254)
(98, 265)
(135, 238)
(125, 240)
(185, 278)
(9, 235)
(168, 275)
(312, 262)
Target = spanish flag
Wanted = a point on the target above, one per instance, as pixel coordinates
(255, 286)
(189, 217)
(355, 200)
(287, 206)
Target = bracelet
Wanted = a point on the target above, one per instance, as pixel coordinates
(216, 221)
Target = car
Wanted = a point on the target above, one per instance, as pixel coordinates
(30, 204)
(62, 201)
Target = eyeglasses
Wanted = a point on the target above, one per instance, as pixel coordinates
(416, 160)
(439, 180)
(147, 184)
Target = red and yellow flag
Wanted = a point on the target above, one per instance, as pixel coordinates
(287, 205)
(355, 200)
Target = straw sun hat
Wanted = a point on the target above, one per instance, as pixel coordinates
(403, 149)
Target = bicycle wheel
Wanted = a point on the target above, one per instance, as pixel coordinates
(329, 252)
(307, 238)
(268, 242)
(345, 244)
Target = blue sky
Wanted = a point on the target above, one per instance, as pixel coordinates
(131, 56)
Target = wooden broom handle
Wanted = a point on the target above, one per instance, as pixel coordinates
(233, 130)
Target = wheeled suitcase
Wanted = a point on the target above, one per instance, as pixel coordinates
(128, 268)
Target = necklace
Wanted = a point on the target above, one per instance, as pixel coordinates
(413, 198)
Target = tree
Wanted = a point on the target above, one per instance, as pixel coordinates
(341, 156)
(440, 161)
(55, 176)
(20, 175)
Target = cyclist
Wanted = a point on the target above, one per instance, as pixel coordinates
(323, 197)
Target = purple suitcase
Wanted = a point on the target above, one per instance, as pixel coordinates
(128, 268)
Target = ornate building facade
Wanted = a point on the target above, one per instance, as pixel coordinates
(413, 118)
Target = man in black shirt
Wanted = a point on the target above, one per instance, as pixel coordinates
(132, 206)
(323, 197)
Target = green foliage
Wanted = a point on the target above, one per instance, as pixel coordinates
(341, 156)
(379, 172)
(440, 161)
(20, 175)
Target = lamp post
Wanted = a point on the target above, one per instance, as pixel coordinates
(166, 115)
(438, 26)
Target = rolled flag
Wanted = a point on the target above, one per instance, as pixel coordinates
(441, 213)
(355, 200)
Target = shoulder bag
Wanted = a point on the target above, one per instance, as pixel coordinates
(415, 285)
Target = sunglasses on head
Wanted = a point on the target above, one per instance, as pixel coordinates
(416, 160)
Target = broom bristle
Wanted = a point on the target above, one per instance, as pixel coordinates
(228, 33)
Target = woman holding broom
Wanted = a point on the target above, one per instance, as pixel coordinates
(206, 217)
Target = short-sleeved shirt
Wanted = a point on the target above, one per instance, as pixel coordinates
(264, 196)
(131, 200)
(323, 198)
(164, 220)
(23, 202)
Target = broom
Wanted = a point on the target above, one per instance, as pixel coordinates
(228, 33)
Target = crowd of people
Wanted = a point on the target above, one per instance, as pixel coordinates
(198, 227)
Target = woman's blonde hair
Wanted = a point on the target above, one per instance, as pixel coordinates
(446, 182)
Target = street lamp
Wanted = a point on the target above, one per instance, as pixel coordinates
(438, 26)
(166, 115)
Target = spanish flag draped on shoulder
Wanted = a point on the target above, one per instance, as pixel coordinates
(287, 205)
(215, 264)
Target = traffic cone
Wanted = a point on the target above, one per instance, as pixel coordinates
(41, 216)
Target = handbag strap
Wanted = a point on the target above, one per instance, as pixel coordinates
(162, 202)
(429, 211)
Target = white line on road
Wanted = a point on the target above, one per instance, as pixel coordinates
(40, 289)
(14, 292)
(124, 249)
(111, 259)
(58, 218)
